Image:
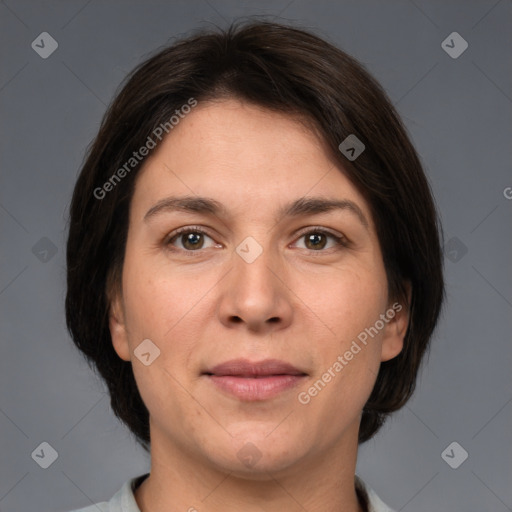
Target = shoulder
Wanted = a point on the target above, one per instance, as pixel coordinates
(122, 501)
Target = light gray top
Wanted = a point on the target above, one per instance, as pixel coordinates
(124, 500)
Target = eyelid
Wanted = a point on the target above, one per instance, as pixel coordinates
(187, 229)
(320, 229)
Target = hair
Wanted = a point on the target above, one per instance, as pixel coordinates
(287, 70)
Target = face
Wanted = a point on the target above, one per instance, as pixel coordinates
(265, 301)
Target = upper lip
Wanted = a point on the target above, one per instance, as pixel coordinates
(246, 368)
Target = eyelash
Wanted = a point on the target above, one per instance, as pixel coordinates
(341, 241)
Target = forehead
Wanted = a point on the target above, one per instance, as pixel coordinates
(244, 156)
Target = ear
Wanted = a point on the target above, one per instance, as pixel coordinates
(117, 325)
(398, 314)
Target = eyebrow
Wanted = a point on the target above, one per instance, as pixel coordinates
(300, 207)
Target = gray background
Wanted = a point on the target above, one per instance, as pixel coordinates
(458, 112)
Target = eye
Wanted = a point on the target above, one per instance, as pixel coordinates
(191, 239)
(318, 239)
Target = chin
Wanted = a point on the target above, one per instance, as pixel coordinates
(262, 469)
(258, 453)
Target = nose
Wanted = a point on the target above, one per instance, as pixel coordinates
(255, 296)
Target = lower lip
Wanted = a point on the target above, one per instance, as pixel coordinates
(252, 389)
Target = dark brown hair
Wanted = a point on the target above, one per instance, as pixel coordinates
(287, 70)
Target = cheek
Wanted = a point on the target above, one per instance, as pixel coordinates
(347, 305)
(171, 308)
(160, 300)
(346, 367)
(167, 311)
(346, 301)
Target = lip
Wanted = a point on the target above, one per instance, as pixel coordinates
(253, 381)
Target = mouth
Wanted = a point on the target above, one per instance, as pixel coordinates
(254, 381)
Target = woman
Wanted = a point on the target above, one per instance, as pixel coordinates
(254, 268)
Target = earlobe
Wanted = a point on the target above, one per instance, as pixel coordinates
(118, 331)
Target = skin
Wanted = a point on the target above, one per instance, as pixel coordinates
(296, 302)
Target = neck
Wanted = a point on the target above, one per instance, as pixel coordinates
(178, 481)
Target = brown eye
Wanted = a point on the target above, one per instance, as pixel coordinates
(192, 241)
(319, 239)
(189, 239)
(315, 241)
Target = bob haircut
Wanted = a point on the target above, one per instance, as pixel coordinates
(287, 70)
